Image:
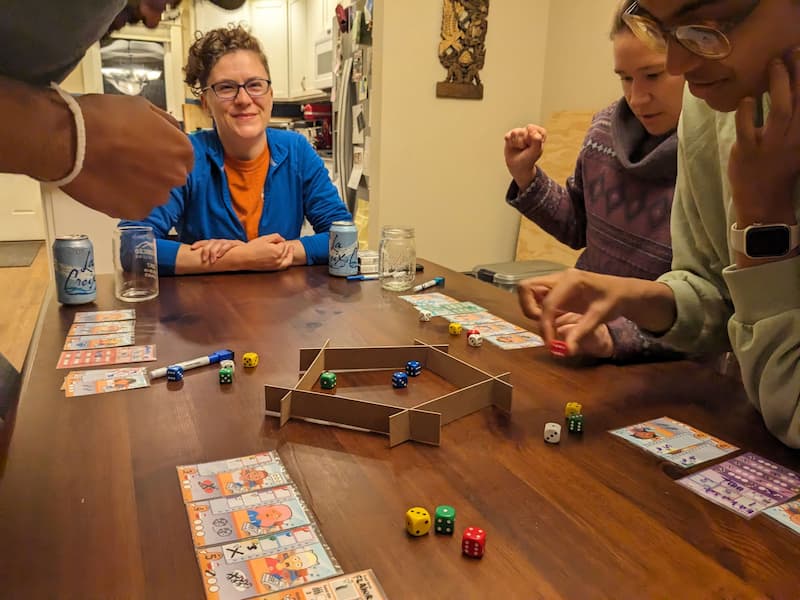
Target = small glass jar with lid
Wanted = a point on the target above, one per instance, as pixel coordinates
(397, 261)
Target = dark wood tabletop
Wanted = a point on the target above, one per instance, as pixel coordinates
(90, 505)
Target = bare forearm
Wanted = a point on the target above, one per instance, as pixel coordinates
(651, 305)
(37, 134)
(190, 262)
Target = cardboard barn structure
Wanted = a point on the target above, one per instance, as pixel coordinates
(420, 423)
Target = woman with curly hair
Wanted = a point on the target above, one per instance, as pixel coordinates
(243, 205)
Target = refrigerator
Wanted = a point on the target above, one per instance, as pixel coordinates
(350, 95)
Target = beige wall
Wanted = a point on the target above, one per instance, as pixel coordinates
(439, 161)
(579, 69)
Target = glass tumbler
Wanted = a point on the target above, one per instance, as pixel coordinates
(135, 263)
(397, 262)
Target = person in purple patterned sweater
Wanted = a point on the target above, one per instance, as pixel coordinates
(617, 204)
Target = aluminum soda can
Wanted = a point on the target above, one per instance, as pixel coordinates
(343, 249)
(73, 260)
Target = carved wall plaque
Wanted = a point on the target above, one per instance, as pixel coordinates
(462, 50)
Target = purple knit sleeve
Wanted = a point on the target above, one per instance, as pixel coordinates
(631, 344)
(559, 210)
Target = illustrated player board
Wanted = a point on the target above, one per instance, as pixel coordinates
(104, 328)
(363, 585)
(101, 316)
(223, 520)
(745, 484)
(674, 441)
(106, 356)
(231, 477)
(265, 564)
(101, 381)
(431, 298)
(474, 319)
(515, 341)
(99, 341)
(787, 514)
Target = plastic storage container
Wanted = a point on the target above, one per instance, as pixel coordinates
(507, 275)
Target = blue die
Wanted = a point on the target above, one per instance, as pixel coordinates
(413, 368)
(174, 373)
(399, 379)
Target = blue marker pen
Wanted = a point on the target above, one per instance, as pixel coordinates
(428, 284)
(202, 361)
(369, 277)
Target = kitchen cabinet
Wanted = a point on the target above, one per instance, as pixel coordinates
(287, 30)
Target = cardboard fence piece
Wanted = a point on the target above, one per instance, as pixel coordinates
(420, 423)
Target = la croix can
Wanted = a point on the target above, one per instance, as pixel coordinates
(343, 249)
(73, 260)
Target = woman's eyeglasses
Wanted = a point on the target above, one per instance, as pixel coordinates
(228, 90)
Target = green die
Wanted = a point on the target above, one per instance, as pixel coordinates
(575, 423)
(327, 380)
(226, 375)
(445, 519)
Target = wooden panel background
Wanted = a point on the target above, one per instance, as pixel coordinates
(565, 133)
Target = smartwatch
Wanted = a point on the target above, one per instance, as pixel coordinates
(773, 240)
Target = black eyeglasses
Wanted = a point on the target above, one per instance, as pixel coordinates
(228, 90)
(703, 40)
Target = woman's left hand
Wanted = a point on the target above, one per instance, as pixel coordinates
(212, 250)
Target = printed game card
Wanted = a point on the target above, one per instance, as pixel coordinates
(86, 383)
(745, 484)
(265, 564)
(428, 299)
(515, 341)
(99, 341)
(105, 315)
(231, 477)
(363, 585)
(234, 518)
(674, 441)
(103, 328)
(106, 356)
(787, 514)
(476, 318)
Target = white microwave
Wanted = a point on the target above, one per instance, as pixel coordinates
(323, 63)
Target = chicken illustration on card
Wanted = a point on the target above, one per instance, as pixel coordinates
(265, 564)
(240, 517)
(230, 478)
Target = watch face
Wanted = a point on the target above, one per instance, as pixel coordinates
(767, 241)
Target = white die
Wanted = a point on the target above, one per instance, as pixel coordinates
(475, 339)
(552, 433)
(227, 363)
(425, 315)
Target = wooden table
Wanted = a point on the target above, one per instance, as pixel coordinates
(90, 505)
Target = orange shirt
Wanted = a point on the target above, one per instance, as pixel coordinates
(246, 180)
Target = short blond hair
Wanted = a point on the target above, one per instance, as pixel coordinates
(617, 24)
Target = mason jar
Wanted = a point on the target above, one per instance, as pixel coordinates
(397, 261)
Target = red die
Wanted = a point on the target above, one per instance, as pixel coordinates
(558, 348)
(473, 542)
(471, 331)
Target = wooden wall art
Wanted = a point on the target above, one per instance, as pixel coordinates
(421, 423)
(462, 50)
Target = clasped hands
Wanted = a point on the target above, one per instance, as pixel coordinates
(270, 252)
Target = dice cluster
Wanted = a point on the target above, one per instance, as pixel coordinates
(574, 418)
(228, 367)
(474, 337)
(419, 522)
(327, 380)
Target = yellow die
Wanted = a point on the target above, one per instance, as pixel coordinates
(454, 328)
(418, 521)
(250, 359)
(572, 408)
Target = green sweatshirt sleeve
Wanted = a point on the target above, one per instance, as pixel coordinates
(764, 332)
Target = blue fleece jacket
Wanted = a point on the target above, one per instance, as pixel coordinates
(297, 187)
